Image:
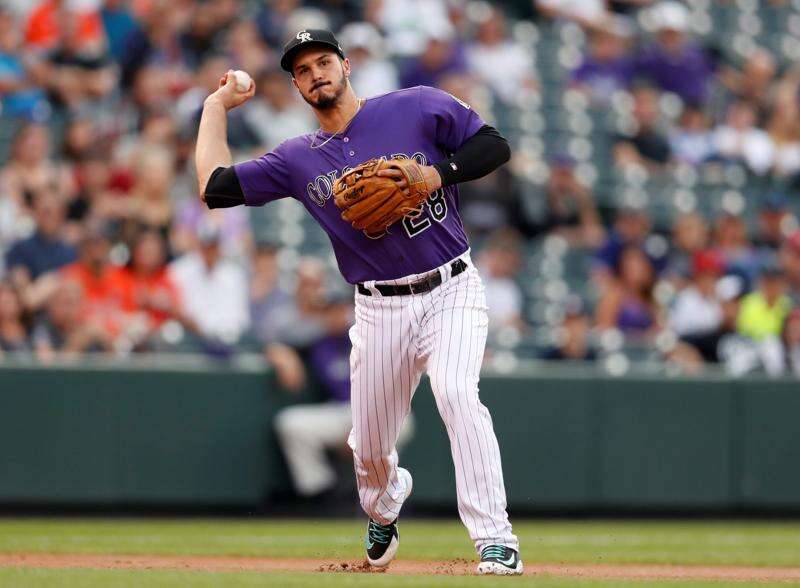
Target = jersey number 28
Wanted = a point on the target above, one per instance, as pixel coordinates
(437, 209)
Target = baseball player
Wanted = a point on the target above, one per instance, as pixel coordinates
(397, 236)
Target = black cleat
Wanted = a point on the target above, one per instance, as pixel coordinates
(382, 540)
(381, 543)
(499, 560)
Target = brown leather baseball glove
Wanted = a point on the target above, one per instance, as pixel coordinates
(372, 203)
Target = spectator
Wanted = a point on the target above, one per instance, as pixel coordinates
(148, 205)
(498, 263)
(156, 44)
(93, 178)
(784, 128)
(203, 278)
(77, 71)
(305, 319)
(732, 242)
(791, 342)
(148, 293)
(502, 64)
(760, 322)
(101, 297)
(696, 315)
(30, 171)
(775, 220)
(81, 137)
(629, 305)
(268, 300)
(754, 83)
(158, 129)
(764, 311)
(789, 256)
(690, 235)
(443, 55)
(631, 229)
(45, 250)
(739, 140)
(409, 24)
(573, 335)
(306, 431)
(569, 209)
(372, 72)
(47, 23)
(646, 145)
(233, 225)
(64, 333)
(21, 96)
(691, 141)
(13, 333)
(674, 63)
(607, 67)
(119, 22)
(150, 92)
(722, 345)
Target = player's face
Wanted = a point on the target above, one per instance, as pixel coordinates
(320, 77)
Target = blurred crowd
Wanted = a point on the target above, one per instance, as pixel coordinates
(105, 246)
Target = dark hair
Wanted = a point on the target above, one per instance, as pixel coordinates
(647, 290)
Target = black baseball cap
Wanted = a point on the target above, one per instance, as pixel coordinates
(306, 37)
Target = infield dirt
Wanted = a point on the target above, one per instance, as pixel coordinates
(400, 567)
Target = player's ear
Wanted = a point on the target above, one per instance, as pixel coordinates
(346, 66)
(294, 83)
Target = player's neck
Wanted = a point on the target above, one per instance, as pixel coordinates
(333, 119)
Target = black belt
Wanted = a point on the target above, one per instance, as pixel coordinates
(424, 285)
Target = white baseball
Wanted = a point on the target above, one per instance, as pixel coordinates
(242, 80)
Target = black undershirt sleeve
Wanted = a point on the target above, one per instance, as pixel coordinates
(223, 189)
(479, 155)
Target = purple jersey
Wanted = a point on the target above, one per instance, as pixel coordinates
(424, 123)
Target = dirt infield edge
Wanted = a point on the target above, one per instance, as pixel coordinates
(400, 567)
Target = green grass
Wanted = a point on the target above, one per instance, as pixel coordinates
(136, 579)
(678, 542)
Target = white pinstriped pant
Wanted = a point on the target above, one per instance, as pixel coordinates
(396, 338)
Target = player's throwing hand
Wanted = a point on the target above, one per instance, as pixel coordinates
(228, 95)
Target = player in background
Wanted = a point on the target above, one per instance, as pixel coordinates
(419, 301)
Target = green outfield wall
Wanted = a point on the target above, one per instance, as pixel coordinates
(201, 435)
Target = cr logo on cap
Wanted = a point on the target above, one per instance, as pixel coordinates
(304, 36)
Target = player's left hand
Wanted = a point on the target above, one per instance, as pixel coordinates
(433, 181)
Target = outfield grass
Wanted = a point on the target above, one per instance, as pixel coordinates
(708, 543)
